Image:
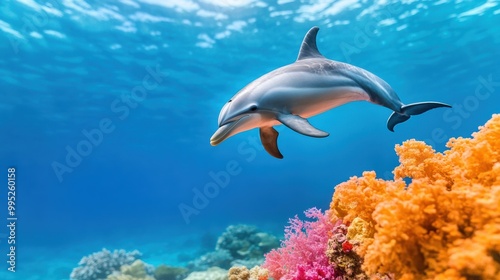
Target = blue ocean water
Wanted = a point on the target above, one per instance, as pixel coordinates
(107, 109)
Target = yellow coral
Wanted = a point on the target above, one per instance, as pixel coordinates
(239, 273)
(134, 271)
(259, 273)
(358, 230)
(242, 273)
(445, 224)
(360, 233)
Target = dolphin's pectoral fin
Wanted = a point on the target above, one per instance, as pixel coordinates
(269, 139)
(301, 125)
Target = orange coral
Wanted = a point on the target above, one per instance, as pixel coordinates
(445, 224)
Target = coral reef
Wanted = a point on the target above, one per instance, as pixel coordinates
(239, 245)
(245, 242)
(164, 272)
(101, 264)
(219, 258)
(302, 254)
(213, 273)
(443, 224)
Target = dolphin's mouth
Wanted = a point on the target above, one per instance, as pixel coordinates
(224, 131)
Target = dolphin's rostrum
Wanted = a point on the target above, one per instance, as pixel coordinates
(309, 86)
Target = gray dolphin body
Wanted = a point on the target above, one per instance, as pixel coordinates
(309, 86)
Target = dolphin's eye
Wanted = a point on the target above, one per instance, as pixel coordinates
(253, 108)
(229, 100)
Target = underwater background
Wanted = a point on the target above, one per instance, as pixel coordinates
(107, 109)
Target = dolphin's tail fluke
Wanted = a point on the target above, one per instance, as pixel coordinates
(410, 110)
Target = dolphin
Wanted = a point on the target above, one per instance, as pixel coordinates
(310, 86)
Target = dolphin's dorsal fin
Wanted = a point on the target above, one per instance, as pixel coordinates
(309, 49)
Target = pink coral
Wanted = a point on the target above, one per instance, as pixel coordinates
(302, 255)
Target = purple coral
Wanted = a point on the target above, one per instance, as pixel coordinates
(101, 264)
(302, 255)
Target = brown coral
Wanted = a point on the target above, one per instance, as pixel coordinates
(341, 255)
(445, 224)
